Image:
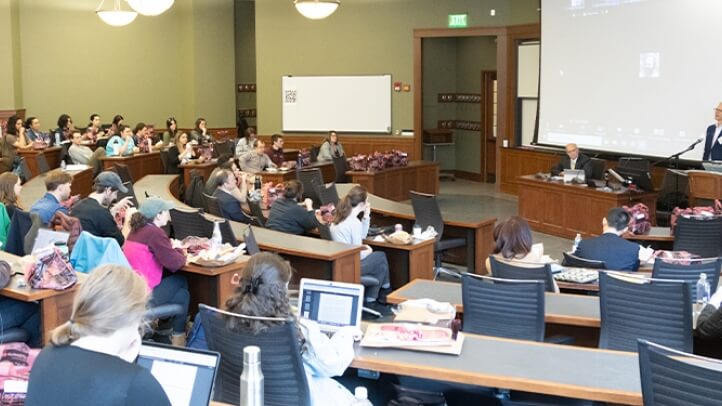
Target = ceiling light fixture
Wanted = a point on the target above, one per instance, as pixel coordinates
(150, 7)
(115, 17)
(316, 9)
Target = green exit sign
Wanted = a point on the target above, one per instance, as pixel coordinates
(458, 20)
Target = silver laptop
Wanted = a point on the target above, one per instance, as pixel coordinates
(331, 304)
(574, 175)
(185, 374)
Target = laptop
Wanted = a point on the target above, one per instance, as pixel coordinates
(331, 304)
(251, 243)
(574, 175)
(185, 374)
(48, 238)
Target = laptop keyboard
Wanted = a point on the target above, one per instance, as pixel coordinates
(577, 275)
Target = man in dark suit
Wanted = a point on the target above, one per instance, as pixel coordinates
(713, 143)
(616, 252)
(573, 160)
(226, 189)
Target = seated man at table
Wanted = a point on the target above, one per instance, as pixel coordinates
(573, 160)
(616, 252)
(95, 213)
(82, 154)
(228, 162)
(57, 184)
(275, 151)
(121, 145)
(226, 192)
(288, 215)
(256, 160)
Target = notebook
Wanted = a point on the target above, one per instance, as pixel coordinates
(186, 375)
(331, 304)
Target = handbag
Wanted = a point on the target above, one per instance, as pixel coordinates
(50, 270)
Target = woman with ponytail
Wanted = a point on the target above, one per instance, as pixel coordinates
(350, 226)
(90, 359)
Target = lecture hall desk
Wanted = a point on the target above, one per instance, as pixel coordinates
(34, 189)
(204, 168)
(52, 157)
(280, 176)
(212, 285)
(138, 164)
(396, 183)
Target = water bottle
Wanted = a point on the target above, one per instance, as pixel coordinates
(702, 289)
(216, 240)
(62, 164)
(257, 183)
(361, 397)
(299, 162)
(252, 377)
(577, 240)
(57, 138)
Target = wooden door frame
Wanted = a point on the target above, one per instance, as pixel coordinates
(507, 39)
(487, 116)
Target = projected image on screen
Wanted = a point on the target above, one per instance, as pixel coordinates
(633, 77)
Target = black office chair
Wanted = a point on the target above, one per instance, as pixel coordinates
(672, 194)
(313, 153)
(689, 272)
(503, 307)
(221, 148)
(670, 377)
(507, 271)
(130, 193)
(644, 308)
(24, 170)
(327, 194)
(210, 203)
(251, 243)
(281, 363)
(575, 261)
(164, 159)
(122, 171)
(428, 213)
(325, 232)
(701, 237)
(310, 178)
(257, 212)
(64, 155)
(42, 162)
(340, 166)
(14, 335)
(640, 164)
(190, 223)
(599, 166)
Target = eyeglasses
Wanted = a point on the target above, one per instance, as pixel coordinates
(718, 110)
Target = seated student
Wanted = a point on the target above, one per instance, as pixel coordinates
(90, 359)
(229, 196)
(95, 213)
(330, 148)
(245, 144)
(64, 130)
(179, 153)
(82, 154)
(15, 134)
(275, 151)
(288, 215)
(94, 130)
(121, 145)
(57, 184)
(150, 252)
(348, 228)
(115, 125)
(262, 292)
(513, 245)
(34, 133)
(616, 252)
(10, 188)
(171, 129)
(225, 161)
(573, 160)
(256, 160)
(140, 133)
(200, 132)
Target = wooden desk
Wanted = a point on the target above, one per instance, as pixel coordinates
(327, 171)
(52, 156)
(564, 210)
(704, 185)
(659, 238)
(407, 262)
(310, 257)
(139, 164)
(477, 231)
(561, 370)
(55, 306)
(212, 285)
(204, 168)
(396, 183)
(34, 189)
(290, 154)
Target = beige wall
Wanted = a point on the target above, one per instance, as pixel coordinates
(246, 53)
(439, 63)
(179, 63)
(10, 73)
(362, 37)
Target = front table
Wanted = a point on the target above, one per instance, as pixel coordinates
(564, 210)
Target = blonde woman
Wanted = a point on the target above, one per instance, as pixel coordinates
(90, 361)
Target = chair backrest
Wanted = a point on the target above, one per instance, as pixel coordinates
(284, 375)
(187, 223)
(309, 178)
(503, 307)
(670, 377)
(227, 234)
(164, 159)
(689, 272)
(210, 203)
(599, 166)
(327, 194)
(24, 170)
(325, 231)
(313, 153)
(701, 237)
(130, 193)
(224, 147)
(542, 273)
(122, 171)
(42, 163)
(573, 260)
(652, 309)
(257, 212)
(427, 211)
(251, 243)
(340, 166)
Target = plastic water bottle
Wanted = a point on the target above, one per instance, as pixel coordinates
(702, 289)
(361, 396)
(216, 240)
(252, 377)
(62, 164)
(577, 240)
(57, 138)
(299, 162)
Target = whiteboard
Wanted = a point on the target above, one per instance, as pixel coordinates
(528, 70)
(341, 103)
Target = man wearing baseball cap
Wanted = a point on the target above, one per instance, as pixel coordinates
(95, 213)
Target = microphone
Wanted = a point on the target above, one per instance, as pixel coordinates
(700, 139)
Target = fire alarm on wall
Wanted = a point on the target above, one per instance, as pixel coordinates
(397, 86)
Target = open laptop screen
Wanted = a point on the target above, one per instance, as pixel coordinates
(331, 304)
(185, 374)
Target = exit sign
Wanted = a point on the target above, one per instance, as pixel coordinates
(458, 20)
